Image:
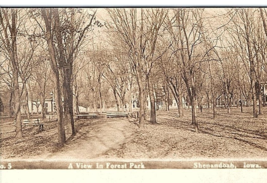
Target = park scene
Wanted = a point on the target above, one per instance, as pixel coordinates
(133, 83)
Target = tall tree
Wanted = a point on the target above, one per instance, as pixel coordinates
(48, 16)
(186, 29)
(243, 34)
(138, 29)
(68, 28)
(10, 22)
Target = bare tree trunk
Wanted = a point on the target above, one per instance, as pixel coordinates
(141, 111)
(116, 99)
(141, 99)
(123, 103)
(264, 100)
(213, 107)
(254, 100)
(60, 125)
(76, 98)
(193, 103)
(47, 16)
(68, 98)
(1, 106)
(252, 68)
(259, 97)
(153, 115)
(9, 23)
(194, 121)
(180, 105)
(176, 92)
(208, 99)
(167, 98)
(100, 94)
(77, 103)
(27, 110)
(94, 101)
(130, 100)
(145, 102)
(43, 106)
(10, 104)
(17, 106)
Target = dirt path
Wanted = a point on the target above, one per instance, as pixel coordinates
(233, 135)
(95, 139)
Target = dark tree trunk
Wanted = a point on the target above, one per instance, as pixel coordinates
(153, 118)
(178, 105)
(194, 121)
(116, 99)
(193, 100)
(27, 104)
(60, 125)
(167, 98)
(145, 102)
(141, 111)
(68, 98)
(100, 93)
(176, 91)
(77, 103)
(11, 111)
(47, 16)
(208, 99)
(259, 97)
(94, 100)
(254, 101)
(43, 106)
(1, 106)
(140, 83)
(213, 107)
(17, 106)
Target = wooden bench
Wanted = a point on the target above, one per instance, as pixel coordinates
(82, 116)
(86, 116)
(25, 122)
(34, 122)
(117, 114)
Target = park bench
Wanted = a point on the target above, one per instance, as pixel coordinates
(34, 122)
(117, 114)
(86, 115)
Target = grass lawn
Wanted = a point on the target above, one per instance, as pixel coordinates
(234, 135)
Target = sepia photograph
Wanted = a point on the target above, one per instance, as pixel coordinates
(133, 88)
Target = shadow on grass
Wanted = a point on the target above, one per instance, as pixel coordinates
(230, 126)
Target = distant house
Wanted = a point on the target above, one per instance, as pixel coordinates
(36, 107)
(160, 101)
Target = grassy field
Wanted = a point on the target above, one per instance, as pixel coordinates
(234, 135)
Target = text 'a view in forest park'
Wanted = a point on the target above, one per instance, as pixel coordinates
(133, 88)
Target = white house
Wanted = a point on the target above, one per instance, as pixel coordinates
(36, 107)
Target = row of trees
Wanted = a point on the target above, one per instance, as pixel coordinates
(196, 58)
(193, 55)
(30, 38)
